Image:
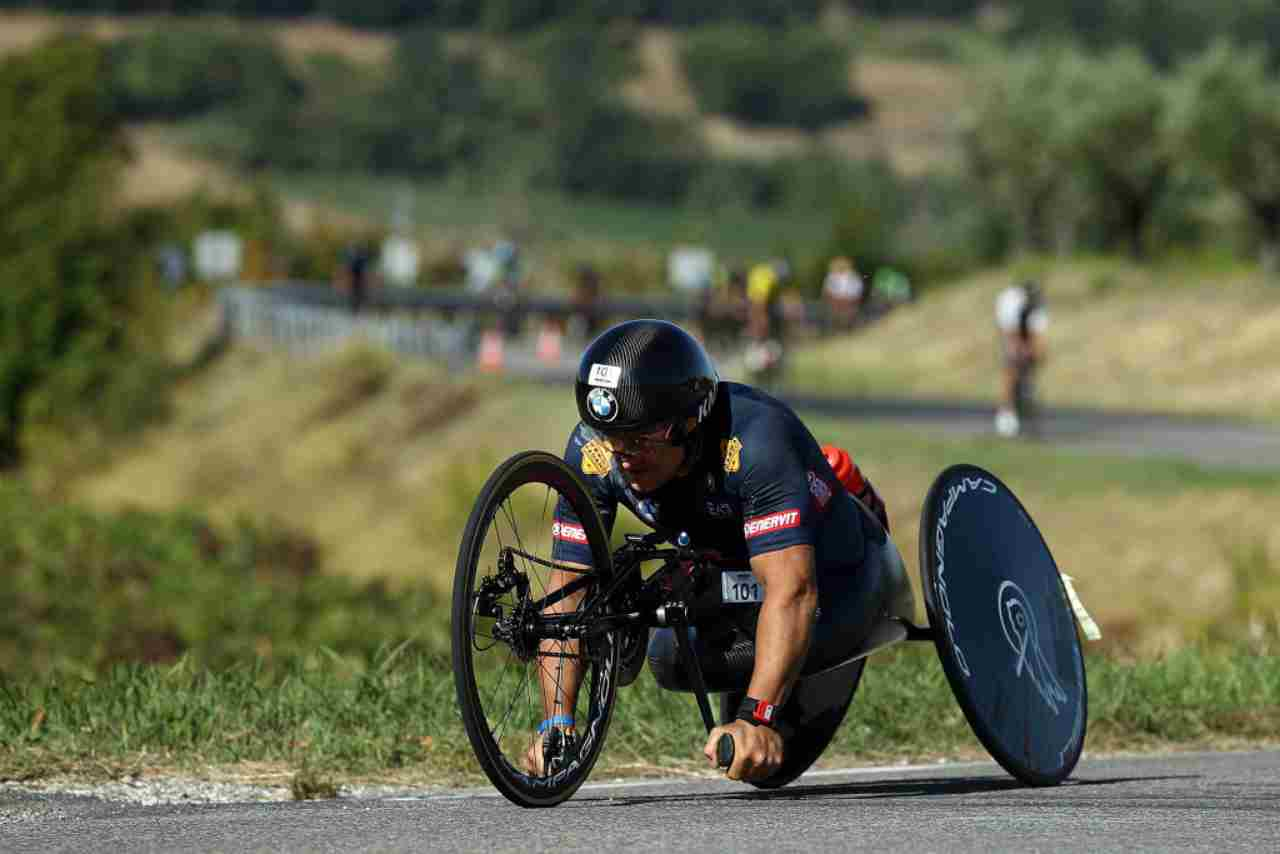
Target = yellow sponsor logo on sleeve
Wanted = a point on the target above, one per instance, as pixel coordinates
(596, 459)
(732, 451)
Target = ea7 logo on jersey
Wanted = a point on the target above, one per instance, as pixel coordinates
(569, 533)
(719, 509)
(758, 525)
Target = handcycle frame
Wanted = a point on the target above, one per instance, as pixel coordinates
(983, 562)
(664, 600)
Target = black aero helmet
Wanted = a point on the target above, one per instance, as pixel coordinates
(642, 373)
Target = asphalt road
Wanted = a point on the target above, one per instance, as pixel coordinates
(1211, 441)
(1207, 440)
(1190, 802)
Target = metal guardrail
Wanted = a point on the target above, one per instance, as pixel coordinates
(318, 326)
(446, 324)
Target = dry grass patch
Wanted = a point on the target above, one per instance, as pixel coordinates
(160, 171)
(301, 39)
(1120, 337)
(915, 114)
(20, 31)
(378, 460)
(913, 120)
(660, 86)
(1161, 552)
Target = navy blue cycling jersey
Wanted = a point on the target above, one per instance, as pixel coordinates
(761, 483)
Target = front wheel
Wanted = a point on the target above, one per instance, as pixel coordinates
(515, 597)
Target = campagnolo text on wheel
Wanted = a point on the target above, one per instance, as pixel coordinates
(767, 579)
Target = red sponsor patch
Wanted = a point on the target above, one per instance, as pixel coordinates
(569, 532)
(758, 525)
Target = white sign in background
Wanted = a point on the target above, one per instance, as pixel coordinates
(218, 255)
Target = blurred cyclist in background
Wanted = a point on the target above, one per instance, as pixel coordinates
(765, 282)
(843, 289)
(1023, 321)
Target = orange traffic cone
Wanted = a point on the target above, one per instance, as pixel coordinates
(491, 344)
(549, 344)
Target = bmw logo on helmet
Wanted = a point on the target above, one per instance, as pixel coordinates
(604, 406)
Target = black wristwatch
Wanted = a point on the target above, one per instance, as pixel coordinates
(758, 712)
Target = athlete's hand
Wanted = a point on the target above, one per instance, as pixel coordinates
(757, 750)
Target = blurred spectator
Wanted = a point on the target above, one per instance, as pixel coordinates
(726, 313)
(507, 286)
(171, 263)
(843, 290)
(1023, 321)
(586, 317)
(355, 275)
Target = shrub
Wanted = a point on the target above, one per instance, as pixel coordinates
(85, 590)
(80, 351)
(177, 71)
(800, 77)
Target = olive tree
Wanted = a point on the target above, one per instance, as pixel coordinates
(1114, 129)
(1226, 118)
(1016, 142)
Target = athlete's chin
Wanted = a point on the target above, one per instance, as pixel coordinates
(643, 483)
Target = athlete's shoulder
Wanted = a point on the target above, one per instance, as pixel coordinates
(759, 424)
(587, 453)
(750, 405)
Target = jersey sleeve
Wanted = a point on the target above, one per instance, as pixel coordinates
(587, 456)
(781, 504)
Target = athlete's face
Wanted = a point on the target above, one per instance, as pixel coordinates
(648, 460)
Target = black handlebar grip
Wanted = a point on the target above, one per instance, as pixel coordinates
(724, 751)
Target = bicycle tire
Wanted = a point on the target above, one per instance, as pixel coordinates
(600, 683)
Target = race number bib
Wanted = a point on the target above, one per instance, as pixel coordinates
(740, 588)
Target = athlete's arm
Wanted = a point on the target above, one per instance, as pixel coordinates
(783, 633)
(786, 620)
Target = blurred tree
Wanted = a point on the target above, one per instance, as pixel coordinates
(756, 75)
(599, 145)
(1016, 142)
(437, 109)
(1113, 120)
(180, 70)
(1167, 31)
(74, 354)
(1226, 116)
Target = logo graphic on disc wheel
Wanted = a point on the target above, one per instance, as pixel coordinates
(1020, 629)
(602, 403)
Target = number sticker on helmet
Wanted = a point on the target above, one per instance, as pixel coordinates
(605, 375)
(603, 405)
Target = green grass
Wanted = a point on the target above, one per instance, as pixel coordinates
(394, 717)
(82, 591)
(539, 217)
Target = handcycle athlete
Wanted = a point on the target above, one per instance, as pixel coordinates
(737, 472)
